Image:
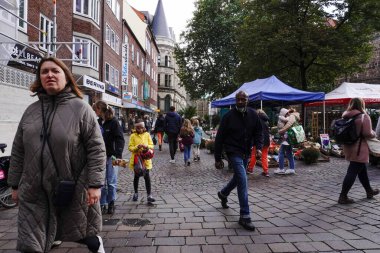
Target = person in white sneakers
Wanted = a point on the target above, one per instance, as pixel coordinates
(287, 149)
(282, 120)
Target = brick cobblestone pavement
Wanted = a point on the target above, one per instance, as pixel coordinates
(292, 213)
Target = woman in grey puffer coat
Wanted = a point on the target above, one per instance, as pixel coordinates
(58, 138)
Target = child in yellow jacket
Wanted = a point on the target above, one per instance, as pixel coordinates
(138, 141)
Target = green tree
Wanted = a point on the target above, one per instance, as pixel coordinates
(306, 42)
(207, 57)
(188, 112)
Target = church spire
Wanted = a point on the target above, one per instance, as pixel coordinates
(160, 26)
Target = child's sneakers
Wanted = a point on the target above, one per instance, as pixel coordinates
(151, 199)
(135, 196)
(249, 170)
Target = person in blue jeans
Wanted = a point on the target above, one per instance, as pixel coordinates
(187, 134)
(239, 130)
(286, 149)
(114, 140)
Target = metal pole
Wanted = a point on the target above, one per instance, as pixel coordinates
(261, 102)
(54, 27)
(324, 116)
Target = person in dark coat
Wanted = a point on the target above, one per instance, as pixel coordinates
(239, 130)
(114, 140)
(173, 123)
(264, 151)
(159, 129)
(58, 139)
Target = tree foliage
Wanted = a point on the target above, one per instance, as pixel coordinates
(207, 58)
(306, 42)
(188, 112)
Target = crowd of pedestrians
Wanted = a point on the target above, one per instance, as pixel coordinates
(72, 150)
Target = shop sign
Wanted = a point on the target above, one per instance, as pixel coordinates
(27, 54)
(111, 99)
(124, 69)
(127, 95)
(94, 84)
(325, 141)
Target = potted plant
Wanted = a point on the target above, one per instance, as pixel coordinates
(310, 155)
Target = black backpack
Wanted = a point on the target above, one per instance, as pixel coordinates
(344, 130)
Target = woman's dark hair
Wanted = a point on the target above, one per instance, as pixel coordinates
(106, 111)
(36, 86)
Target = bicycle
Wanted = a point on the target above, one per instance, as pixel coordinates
(5, 190)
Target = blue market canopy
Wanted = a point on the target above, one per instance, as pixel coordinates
(270, 89)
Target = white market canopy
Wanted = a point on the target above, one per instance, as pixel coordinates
(370, 93)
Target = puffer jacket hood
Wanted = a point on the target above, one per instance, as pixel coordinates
(78, 149)
(283, 112)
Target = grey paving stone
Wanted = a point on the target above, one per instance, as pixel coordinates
(195, 240)
(339, 245)
(258, 248)
(170, 241)
(295, 238)
(212, 249)
(363, 244)
(243, 239)
(282, 247)
(169, 249)
(191, 249)
(217, 240)
(235, 248)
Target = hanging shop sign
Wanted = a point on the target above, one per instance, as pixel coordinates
(94, 84)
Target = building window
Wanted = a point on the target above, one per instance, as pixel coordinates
(88, 8)
(112, 75)
(167, 61)
(112, 39)
(22, 13)
(46, 33)
(167, 103)
(158, 60)
(115, 7)
(87, 52)
(134, 86)
(158, 80)
(168, 80)
(138, 59)
(147, 44)
(133, 52)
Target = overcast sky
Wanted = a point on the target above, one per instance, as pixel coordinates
(177, 12)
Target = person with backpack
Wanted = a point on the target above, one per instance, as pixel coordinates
(357, 153)
(173, 123)
(159, 128)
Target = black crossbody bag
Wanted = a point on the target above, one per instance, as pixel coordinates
(65, 189)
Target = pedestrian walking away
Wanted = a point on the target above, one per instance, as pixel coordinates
(238, 130)
(358, 153)
(58, 145)
(114, 141)
(140, 143)
(173, 124)
(187, 134)
(159, 128)
(264, 151)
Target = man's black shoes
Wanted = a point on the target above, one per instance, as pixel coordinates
(223, 200)
(247, 224)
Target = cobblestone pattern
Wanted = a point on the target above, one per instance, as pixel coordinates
(295, 213)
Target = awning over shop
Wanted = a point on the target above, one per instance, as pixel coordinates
(137, 107)
(112, 100)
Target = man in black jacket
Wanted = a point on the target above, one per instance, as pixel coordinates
(173, 124)
(239, 130)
